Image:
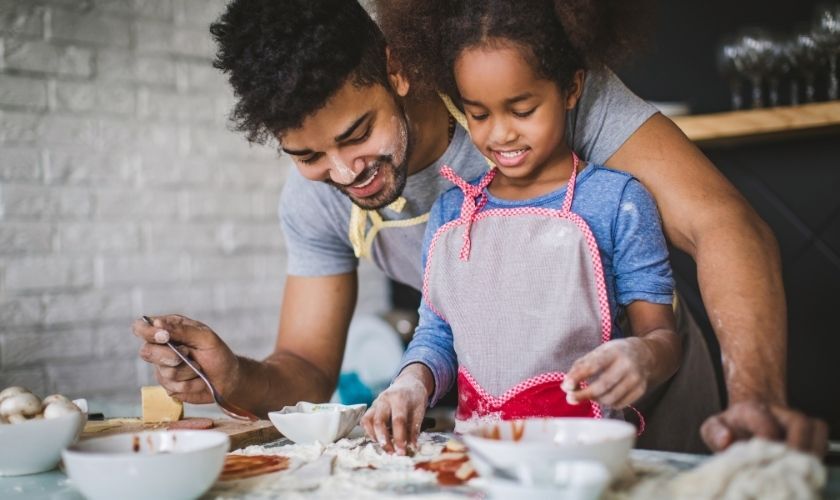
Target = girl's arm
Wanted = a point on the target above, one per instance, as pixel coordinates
(620, 371)
(428, 370)
(654, 327)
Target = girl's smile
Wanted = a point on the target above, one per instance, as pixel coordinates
(510, 158)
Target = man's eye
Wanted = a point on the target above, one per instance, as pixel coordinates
(309, 160)
(524, 114)
(361, 138)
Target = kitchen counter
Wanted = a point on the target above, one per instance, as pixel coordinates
(755, 125)
(55, 484)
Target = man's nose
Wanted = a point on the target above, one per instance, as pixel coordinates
(343, 173)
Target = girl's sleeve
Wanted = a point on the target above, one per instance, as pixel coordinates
(640, 260)
(432, 344)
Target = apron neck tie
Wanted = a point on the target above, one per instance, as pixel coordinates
(474, 201)
(570, 185)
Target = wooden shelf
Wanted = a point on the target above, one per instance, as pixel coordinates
(760, 124)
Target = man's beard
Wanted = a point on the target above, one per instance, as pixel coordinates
(394, 179)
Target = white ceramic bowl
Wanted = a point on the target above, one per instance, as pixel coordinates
(35, 445)
(310, 422)
(157, 464)
(541, 443)
(573, 480)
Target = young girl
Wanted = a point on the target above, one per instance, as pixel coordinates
(527, 266)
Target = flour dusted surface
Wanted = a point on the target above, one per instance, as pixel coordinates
(348, 469)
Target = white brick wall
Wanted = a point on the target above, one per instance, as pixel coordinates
(122, 193)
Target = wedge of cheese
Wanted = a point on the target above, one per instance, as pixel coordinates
(158, 406)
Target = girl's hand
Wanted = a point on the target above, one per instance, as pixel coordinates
(398, 411)
(617, 373)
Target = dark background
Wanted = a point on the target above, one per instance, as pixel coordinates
(793, 183)
(678, 63)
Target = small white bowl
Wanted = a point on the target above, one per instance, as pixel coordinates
(35, 445)
(544, 442)
(573, 480)
(323, 422)
(158, 464)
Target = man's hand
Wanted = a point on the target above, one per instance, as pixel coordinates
(749, 419)
(400, 407)
(617, 373)
(198, 342)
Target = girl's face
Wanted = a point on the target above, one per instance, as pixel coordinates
(516, 118)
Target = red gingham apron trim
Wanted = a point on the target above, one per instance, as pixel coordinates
(521, 387)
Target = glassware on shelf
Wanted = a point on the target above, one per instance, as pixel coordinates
(826, 32)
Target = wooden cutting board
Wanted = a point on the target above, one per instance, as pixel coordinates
(241, 434)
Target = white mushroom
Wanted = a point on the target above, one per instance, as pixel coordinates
(12, 391)
(16, 418)
(59, 409)
(52, 398)
(24, 404)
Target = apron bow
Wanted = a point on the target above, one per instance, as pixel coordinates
(474, 201)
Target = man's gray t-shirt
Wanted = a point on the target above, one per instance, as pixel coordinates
(315, 216)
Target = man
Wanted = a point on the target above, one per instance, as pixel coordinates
(315, 75)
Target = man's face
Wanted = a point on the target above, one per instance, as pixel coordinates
(358, 143)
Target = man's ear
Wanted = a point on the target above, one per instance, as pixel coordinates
(396, 77)
(575, 89)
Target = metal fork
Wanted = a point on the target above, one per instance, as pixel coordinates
(227, 407)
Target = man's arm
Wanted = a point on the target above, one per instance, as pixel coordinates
(306, 361)
(705, 216)
(305, 364)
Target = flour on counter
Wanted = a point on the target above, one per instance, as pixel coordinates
(348, 469)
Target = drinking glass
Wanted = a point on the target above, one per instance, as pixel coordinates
(790, 67)
(779, 66)
(729, 65)
(756, 59)
(827, 35)
(809, 59)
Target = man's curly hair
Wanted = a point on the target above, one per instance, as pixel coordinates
(286, 58)
(559, 36)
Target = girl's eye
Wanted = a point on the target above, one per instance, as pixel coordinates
(478, 118)
(524, 114)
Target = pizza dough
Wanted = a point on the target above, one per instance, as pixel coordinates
(756, 469)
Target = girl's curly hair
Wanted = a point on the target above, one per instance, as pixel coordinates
(558, 36)
(286, 58)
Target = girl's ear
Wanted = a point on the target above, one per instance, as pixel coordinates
(575, 89)
(395, 75)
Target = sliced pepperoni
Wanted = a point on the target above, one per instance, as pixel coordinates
(245, 466)
(452, 469)
(191, 423)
